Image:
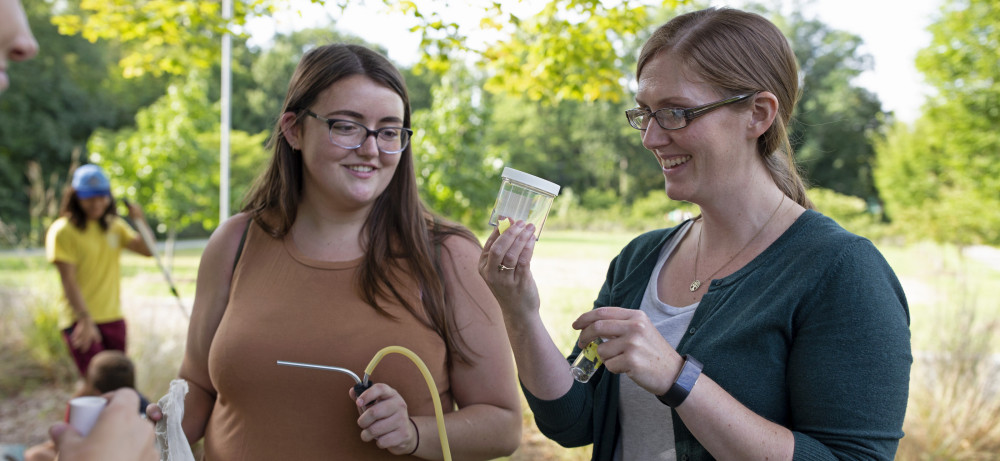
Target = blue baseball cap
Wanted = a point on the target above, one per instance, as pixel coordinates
(90, 181)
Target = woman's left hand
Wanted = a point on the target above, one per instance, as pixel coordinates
(633, 346)
(118, 434)
(385, 420)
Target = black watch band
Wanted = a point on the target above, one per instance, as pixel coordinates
(679, 391)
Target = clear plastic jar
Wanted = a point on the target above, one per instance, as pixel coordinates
(523, 197)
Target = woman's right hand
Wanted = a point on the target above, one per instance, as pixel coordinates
(505, 265)
(84, 335)
(385, 420)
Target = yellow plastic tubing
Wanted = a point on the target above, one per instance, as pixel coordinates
(438, 413)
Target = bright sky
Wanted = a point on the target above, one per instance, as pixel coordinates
(893, 32)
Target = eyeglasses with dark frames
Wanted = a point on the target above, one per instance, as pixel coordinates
(351, 135)
(670, 118)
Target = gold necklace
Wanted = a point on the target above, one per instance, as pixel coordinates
(696, 284)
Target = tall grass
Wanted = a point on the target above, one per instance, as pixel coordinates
(954, 403)
(33, 360)
(44, 340)
(34, 353)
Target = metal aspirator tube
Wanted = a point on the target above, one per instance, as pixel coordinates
(364, 383)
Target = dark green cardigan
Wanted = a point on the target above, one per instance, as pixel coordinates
(812, 334)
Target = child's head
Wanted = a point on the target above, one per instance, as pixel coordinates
(110, 370)
(88, 198)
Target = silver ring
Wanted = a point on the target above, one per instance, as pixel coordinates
(505, 268)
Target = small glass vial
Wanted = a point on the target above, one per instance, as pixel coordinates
(587, 362)
(523, 197)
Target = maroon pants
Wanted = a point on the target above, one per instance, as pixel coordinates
(112, 337)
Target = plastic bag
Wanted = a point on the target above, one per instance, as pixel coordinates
(171, 442)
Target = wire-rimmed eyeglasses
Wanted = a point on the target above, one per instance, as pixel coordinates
(351, 135)
(671, 118)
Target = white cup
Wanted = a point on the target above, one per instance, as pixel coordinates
(83, 412)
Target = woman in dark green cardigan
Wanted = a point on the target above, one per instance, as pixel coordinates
(759, 330)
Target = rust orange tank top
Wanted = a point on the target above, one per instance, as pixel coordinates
(285, 306)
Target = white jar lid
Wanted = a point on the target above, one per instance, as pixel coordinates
(535, 182)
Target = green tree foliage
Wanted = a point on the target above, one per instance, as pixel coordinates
(451, 155)
(587, 147)
(547, 98)
(579, 145)
(157, 36)
(56, 100)
(249, 158)
(469, 135)
(169, 161)
(849, 211)
(940, 178)
(834, 119)
(162, 163)
(578, 47)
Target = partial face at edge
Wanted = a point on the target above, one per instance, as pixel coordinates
(16, 41)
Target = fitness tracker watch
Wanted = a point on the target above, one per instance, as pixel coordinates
(679, 391)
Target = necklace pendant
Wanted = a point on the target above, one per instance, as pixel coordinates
(695, 285)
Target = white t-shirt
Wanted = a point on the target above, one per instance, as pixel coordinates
(647, 429)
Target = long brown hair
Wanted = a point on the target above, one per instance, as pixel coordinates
(70, 208)
(399, 229)
(740, 52)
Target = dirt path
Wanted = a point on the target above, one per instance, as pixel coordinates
(25, 419)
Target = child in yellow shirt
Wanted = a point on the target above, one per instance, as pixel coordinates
(85, 244)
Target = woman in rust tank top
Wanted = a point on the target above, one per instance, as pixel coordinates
(337, 258)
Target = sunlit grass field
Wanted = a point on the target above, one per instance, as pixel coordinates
(954, 309)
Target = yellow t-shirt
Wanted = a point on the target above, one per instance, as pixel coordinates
(95, 254)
